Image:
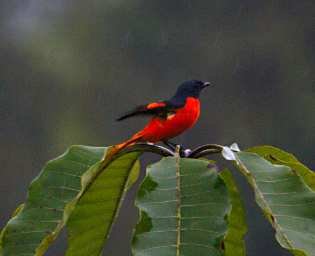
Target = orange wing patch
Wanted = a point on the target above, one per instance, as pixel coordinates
(155, 105)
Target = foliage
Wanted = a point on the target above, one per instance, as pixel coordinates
(60, 191)
(185, 210)
(186, 205)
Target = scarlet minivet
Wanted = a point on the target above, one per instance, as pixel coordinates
(170, 117)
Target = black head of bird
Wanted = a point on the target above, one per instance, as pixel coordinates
(191, 88)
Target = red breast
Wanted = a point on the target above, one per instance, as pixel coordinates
(159, 129)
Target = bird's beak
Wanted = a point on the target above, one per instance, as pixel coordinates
(206, 84)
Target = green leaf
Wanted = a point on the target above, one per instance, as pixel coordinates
(278, 156)
(15, 212)
(286, 200)
(234, 244)
(90, 222)
(134, 174)
(49, 202)
(183, 210)
(52, 197)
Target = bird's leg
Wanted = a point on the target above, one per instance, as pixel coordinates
(173, 146)
(170, 144)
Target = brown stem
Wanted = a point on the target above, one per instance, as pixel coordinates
(163, 151)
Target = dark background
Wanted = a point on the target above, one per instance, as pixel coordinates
(68, 68)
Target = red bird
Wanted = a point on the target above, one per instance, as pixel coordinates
(169, 118)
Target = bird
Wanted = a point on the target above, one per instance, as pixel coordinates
(169, 118)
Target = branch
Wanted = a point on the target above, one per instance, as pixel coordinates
(198, 152)
(146, 147)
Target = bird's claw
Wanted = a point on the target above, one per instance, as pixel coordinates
(178, 148)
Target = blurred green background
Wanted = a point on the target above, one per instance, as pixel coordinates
(69, 68)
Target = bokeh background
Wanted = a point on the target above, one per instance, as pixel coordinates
(68, 68)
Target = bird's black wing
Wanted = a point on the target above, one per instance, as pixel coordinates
(161, 109)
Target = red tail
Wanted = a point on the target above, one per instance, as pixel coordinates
(135, 138)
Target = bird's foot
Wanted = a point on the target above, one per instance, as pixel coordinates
(173, 146)
(170, 144)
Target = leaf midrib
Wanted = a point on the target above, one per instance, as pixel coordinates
(178, 207)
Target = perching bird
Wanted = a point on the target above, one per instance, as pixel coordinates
(170, 117)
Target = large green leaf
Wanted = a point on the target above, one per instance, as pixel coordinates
(286, 200)
(53, 196)
(278, 156)
(183, 210)
(234, 244)
(90, 223)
